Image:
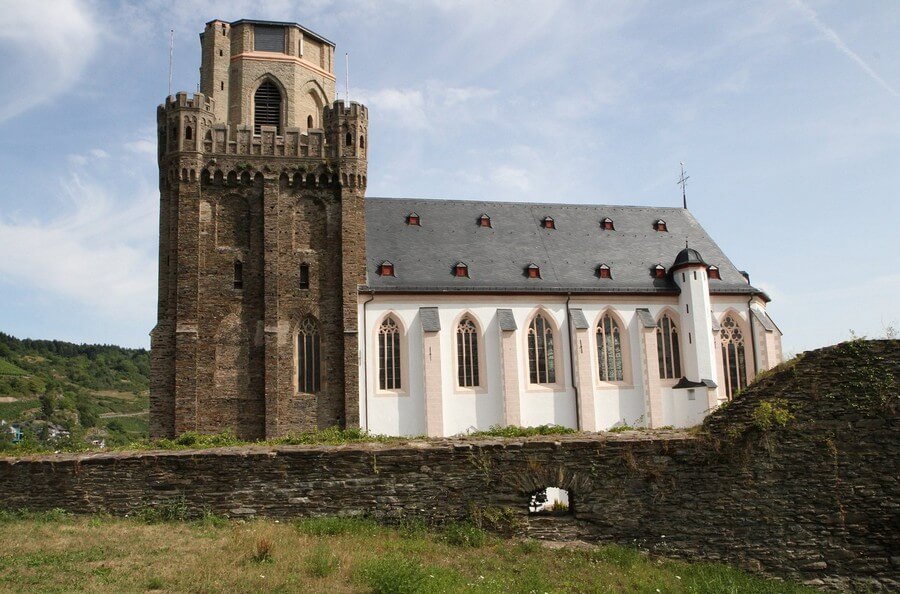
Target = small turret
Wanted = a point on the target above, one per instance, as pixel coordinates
(346, 130)
(689, 273)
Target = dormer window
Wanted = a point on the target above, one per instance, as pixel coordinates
(484, 221)
(607, 224)
(713, 272)
(548, 223)
(660, 225)
(659, 271)
(413, 219)
(461, 270)
(603, 271)
(386, 269)
(533, 271)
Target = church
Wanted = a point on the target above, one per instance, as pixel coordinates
(289, 301)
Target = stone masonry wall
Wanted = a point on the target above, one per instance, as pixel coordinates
(796, 478)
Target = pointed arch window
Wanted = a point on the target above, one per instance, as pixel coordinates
(308, 357)
(667, 348)
(267, 107)
(389, 355)
(609, 350)
(309, 121)
(467, 354)
(733, 356)
(541, 356)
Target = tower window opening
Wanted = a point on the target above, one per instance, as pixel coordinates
(309, 121)
(238, 274)
(304, 276)
(348, 140)
(188, 133)
(222, 85)
(607, 224)
(308, 357)
(267, 107)
(221, 53)
(362, 141)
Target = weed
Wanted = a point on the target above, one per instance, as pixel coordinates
(155, 583)
(396, 574)
(464, 534)
(502, 520)
(173, 510)
(322, 562)
(335, 526)
(262, 553)
(529, 547)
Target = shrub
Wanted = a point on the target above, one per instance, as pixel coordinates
(322, 562)
(514, 431)
(155, 583)
(502, 520)
(173, 510)
(770, 414)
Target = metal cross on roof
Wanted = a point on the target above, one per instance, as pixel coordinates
(682, 181)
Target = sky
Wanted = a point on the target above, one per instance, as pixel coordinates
(786, 114)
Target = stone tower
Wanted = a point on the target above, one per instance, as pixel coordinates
(262, 178)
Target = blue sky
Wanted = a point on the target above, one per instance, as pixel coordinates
(785, 112)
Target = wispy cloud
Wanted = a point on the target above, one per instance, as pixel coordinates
(57, 38)
(835, 40)
(426, 107)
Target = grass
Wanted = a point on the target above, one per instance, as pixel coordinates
(56, 552)
(7, 368)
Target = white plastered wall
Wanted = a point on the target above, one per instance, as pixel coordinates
(466, 409)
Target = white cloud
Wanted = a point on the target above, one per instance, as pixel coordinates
(94, 251)
(835, 40)
(57, 38)
(511, 178)
(143, 146)
(430, 107)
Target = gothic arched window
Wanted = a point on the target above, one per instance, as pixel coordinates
(609, 350)
(309, 121)
(733, 356)
(389, 355)
(308, 357)
(541, 362)
(267, 107)
(467, 353)
(667, 348)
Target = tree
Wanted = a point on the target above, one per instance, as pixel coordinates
(48, 405)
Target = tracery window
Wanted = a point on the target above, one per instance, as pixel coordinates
(541, 362)
(389, 355)
(609, 350)
(667, 348)
(467, 353)
(308, 357)
(733, 356)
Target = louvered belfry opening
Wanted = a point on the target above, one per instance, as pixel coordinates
(267, 107)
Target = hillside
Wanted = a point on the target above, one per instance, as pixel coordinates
(90, 391)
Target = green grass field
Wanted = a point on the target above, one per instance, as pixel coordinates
(57, 553)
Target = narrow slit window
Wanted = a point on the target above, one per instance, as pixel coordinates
(238, 275)
(304, 276)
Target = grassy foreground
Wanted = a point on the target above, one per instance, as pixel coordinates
(59, 553)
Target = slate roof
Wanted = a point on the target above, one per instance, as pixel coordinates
(424, 256)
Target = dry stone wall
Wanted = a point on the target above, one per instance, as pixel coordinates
(797, 478)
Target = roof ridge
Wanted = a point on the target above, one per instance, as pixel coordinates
(523, 203)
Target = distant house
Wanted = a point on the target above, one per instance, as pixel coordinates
(15, 430)
(57, 431)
